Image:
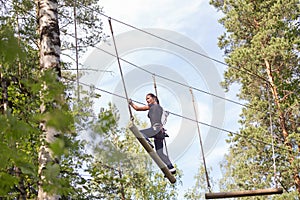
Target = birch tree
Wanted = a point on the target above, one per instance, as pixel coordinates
(26, 84)
(49, 48)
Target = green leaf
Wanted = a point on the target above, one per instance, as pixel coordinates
(27, 168)
(58, 147)
(60, 120)
(9, 47)
(7, 183)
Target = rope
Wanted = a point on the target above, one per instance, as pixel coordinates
(76, 49)
(200, 140)
(272, 136)
(120, 68)
(154, 83)
(155, 88)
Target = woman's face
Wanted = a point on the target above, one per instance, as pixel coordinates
(150, 99)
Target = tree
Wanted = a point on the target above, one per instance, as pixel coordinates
(49, 48)
(194, 192)
(18, 115)
(261, 44)
(23, 86)
(122, 169)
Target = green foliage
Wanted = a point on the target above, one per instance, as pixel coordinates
(9, 45)
(17, 130)
(7, 183)
(20, 113)
(89, 24)
(200, 186)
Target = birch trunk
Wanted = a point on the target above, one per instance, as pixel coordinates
(49, 45)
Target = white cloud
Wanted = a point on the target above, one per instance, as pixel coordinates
(169, 14)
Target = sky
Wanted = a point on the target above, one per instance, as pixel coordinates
(191, 23)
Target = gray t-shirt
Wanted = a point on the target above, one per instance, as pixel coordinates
(155, 113)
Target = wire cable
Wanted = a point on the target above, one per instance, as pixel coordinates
(187, 118)
(179, 45)
(76, 47)
(173, 81)
(184, 117)
(202, 91)
(163, 77)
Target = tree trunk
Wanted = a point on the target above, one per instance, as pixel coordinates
(49, 45)
(4, 103)
(122, 186)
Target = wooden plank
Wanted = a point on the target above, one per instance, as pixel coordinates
(245, 193)
(152, 153)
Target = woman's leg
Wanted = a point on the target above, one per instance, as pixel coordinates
(159, 147)
(148, 133)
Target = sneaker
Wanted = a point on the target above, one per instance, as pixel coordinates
(172, 170)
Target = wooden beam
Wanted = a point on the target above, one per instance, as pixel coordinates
(245, 193)
(152, 153)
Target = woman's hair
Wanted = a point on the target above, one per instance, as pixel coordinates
(153, 96)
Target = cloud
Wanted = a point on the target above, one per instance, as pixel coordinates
(169, 14)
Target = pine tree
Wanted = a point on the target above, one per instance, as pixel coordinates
(261, 44)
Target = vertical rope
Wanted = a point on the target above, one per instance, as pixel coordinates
(76, 48)
(200, 140)
(121, 72)
(155, 88)
(154, 82)
(272, 136)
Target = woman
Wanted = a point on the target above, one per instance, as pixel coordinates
(156, 129)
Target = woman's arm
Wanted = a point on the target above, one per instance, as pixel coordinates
(138, 108)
